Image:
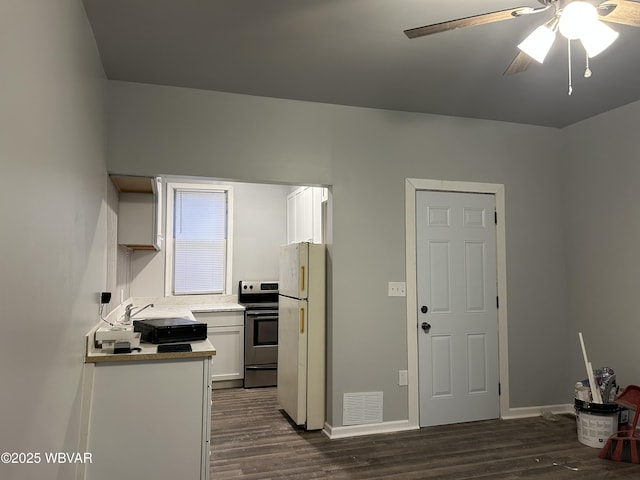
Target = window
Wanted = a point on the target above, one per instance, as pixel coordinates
(199, 243)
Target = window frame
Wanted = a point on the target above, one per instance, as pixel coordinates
(169, 239)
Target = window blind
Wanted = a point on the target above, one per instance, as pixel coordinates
(200, 241)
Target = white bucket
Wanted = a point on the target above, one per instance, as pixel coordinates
(595, 428)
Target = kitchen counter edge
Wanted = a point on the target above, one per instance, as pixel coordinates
(200, 348)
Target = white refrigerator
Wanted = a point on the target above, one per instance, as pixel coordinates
(301, 333)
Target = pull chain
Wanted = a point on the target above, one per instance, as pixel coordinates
(569, 56)
(587, 71)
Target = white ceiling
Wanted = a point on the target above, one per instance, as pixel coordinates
(354, 52)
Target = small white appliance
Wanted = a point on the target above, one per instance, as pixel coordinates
(113, 338)
(116, 333)
(301, 333)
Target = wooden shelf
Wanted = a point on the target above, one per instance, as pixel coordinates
(133, 184)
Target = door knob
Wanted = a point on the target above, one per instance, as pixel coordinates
(426, 327)
(424, 309)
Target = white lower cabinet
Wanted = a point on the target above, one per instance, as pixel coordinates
(229, 363)
(149, 419)
(225, 331)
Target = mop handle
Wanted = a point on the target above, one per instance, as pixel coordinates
(595, 391)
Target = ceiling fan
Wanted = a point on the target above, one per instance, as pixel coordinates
(575, 19)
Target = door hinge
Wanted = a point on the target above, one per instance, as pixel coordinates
(499, 389)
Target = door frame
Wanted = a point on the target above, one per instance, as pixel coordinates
(412, 185)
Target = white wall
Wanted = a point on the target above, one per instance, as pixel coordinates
(52, 260)
(603, 234)
(259, 228)
(366, 155)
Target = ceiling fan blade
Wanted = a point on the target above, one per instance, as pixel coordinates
(471, 21)
(624, 12)
(519, 64)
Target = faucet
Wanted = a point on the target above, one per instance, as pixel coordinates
(128, 312)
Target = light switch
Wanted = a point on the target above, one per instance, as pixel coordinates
(397, 289)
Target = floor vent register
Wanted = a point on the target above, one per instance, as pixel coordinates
(362, 408)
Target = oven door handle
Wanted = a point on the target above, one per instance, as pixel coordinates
(262, 367)
(262, 317)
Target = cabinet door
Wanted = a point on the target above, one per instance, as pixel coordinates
(291, 219)
(140, 217)
(304, 215)
(301, 213)
(228, 362)
(131, 402)
(316, 214)
(307, 215)
(158, 232)
(135, 220)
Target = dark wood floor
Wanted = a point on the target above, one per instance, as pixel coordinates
(252, 439)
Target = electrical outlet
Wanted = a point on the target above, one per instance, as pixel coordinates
(403, 378)
(397, 289)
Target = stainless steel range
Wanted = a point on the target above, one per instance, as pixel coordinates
(260, 300)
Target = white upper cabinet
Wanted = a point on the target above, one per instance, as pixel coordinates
(304, 215)
(139, 212)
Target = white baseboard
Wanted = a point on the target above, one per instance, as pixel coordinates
(368, 429)
(222, 384)
(402, 425)
(524, 412)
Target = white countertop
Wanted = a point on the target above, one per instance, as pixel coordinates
(163, 311)
(196, 303)
(216, 307)
(148, 351)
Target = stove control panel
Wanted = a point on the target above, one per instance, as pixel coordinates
(255, 286)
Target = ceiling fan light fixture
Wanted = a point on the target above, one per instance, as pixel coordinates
(539, 42)
(598, 39)
(576, 19)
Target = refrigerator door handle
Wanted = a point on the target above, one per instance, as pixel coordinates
(302, 320)
(302, 278)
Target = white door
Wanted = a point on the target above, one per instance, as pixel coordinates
(457, 307)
